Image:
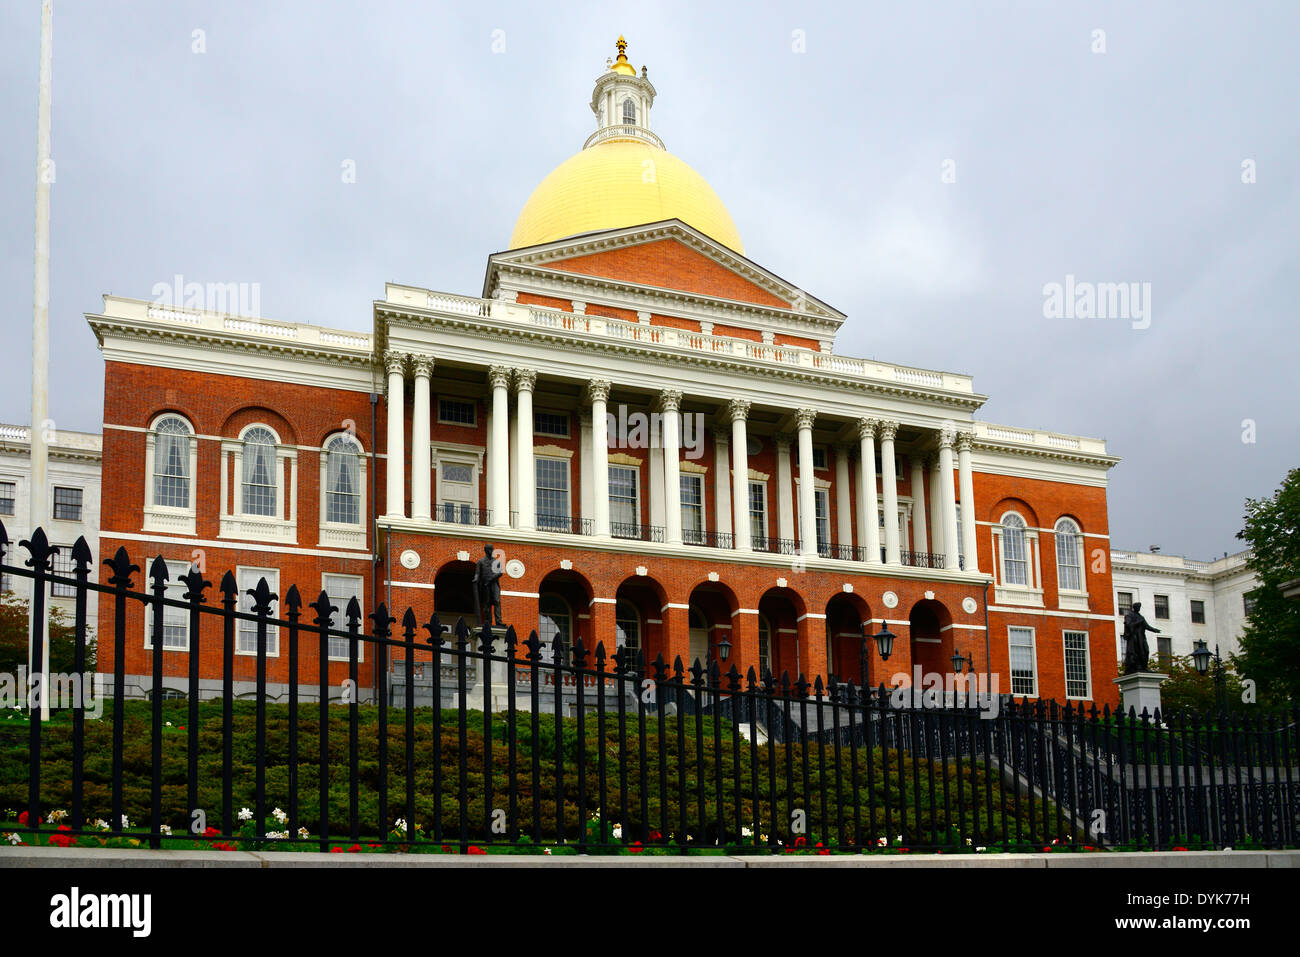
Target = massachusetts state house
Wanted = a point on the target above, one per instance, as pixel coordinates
(654, 432)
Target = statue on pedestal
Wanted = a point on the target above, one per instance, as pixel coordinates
(487, 590)
(1136, 650)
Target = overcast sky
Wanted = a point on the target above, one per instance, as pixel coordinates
(827, 130)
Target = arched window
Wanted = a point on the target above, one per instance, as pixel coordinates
(1069, 571)
(553, 627)
(171, 462)
(629, 112)
(259, 472)
(343, 480)
(1015, 567)
(627, 626)
(764, 646)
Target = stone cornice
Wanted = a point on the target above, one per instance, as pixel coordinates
(1050, 454)
(571, 341)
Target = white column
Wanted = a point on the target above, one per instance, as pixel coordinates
(784, 489)
(920, 540)
(525, 381)
(936, 506)
(807, 487)
(586, 484)
(396, 450)
(738, 412)
(843, 508)
(498, 455)
(889, 486)
(966, 483)
(949, 498)
(722, 481)
(514, 466)
(670, 406)
(598, 395)
(868, 501)
(421, 441)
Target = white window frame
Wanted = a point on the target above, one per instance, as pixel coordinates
(473, 406)
(703, 527)
(1087, 665)
(81, 508)
(13, 509)
(636, 615)
(636, 495)
(164, 518)
(568, 418)
(340, 616)
(176, 590)
(822, 496)
(343, 534)
(272, 576)
(1031, 592)
(235, 523)
(568, 482)
(1033, 659)
(1070, 599)
(749, 510)
(465, 455)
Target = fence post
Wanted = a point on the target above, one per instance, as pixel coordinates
(158, 572)
(41, 553)
(324, 621)
(194, 587)
(82, 557)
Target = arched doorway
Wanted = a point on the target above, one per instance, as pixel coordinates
(453, 594)
(639, 606)
(930, 626)
(782, 608)
(845, 615)
(564, 615)
(712, 608)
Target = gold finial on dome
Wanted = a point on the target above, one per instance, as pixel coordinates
(621, 65)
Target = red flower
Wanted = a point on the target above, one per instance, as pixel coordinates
(372, 845)
(354, 849)
(22, 819)
(336, 850)
(655, 836)
(635, 847)
(211, 831)
(446, 849)
(1180, 848)
(475, 849)
(800, 841)
(903, 850)
(62, 840)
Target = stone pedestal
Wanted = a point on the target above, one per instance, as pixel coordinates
(475, 693)
(1140, 691)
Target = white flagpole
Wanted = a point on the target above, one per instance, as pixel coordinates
(41, 337)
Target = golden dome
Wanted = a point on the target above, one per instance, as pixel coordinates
(617, 183)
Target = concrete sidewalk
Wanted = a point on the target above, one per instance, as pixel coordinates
(115, 858)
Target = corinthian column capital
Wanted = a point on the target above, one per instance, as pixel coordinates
(888, 430)
(525, 379)
(394, 362)
(422, 365)
(946, 435)
(738, 409)
(805, 418)
(965, 441)
(866, 428)
(670, 400)
(597, 390)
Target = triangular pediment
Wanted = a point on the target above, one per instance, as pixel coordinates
(668, 256)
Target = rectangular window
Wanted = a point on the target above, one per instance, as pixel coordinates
(1248, 604)
(961, 549)
(1124, 601)
(1024, 671)
(342, 589)
(8, 490)
(1198, 612)
(1164, 649)
(551, 423)
(819, 456)
(1162, 606)
(246, 641)
(553, 494)
(67, 504)
(176, 630)
(1076, 665)
(624, 510)
(758, 514)
(821, 498)
(692, 501)
(62, 564)
(457, 412)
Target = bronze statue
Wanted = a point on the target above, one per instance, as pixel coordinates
(487, 590)
(1136, 651)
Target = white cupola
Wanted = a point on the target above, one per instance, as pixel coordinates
(621, 101)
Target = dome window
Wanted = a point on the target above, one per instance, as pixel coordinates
(629, 112)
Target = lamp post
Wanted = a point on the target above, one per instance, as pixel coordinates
(721, 651)
(959, 664)
(884, 646)
(1202, 657)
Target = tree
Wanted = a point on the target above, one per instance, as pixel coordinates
(14, 617)
(1188, 690)
(1270, 643)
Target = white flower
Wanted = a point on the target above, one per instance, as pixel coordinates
(899, 839)
(882, 842)
(546, 850)
(169, 724)
(13, 838)
(980, 850)
(57, 816)
(400, 825)
(125, 822)
(304, 833)
(746, 832)
(618, 832)
(279, 815)
(101, 824)
(245, 814)
(968, 842)
(165, 829)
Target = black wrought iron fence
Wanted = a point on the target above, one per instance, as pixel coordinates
(478, 737)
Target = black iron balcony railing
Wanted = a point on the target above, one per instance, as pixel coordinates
(779, 546)
(698, 536)
(459, 514)
(929, 560)
(642, 533)
(567, 524)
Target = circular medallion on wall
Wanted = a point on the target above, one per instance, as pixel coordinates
(968, 605)
(889, 599)
(410, 558)
(515, 568)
